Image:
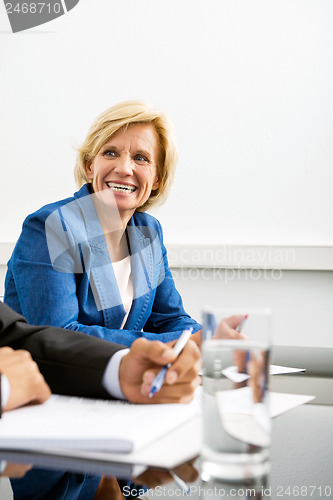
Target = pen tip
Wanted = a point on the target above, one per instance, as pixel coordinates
(152, 392)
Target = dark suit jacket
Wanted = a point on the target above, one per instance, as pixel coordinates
(72, 363)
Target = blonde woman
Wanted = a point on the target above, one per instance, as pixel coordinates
(96, 262)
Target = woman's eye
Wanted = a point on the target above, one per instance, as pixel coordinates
(109, 154)
(141, 159)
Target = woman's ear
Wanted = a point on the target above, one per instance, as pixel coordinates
(156, 183)
(89, 168)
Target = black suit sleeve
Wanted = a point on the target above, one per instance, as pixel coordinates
(72, 363)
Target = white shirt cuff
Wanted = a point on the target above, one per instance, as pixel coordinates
(5, 390)
(110, 380)
(3, 465)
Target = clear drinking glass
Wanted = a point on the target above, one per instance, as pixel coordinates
(237, 427)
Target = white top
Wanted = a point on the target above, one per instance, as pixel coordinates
(123, 274)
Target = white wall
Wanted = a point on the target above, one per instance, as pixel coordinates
(247, 83)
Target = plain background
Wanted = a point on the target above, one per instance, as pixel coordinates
(247, 83)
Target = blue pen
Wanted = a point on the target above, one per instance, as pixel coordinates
(178, 347)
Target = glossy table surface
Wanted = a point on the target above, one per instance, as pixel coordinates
(301, 462)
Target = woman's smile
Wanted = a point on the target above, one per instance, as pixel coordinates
(121, 188)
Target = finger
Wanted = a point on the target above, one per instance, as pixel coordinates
(187, 472)
(5, 351)
(235, 320)
(192, 371)
(186, 361)
(148, 376)
(197, 337)
(226, 329)
(20, 354)
(178, 393)
(170, 394)
(191, 378)
(10, 357)
(155, 351)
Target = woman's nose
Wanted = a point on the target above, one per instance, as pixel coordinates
(124, 165)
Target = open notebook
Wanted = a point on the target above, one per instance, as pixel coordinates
(87, 424)
(163, 435)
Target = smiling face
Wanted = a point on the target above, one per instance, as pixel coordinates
(125, 167)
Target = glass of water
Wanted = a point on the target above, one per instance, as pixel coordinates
(237, 427)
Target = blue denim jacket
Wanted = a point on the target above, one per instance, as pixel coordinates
(60, 274)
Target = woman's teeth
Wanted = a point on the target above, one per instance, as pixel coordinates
(121, 188)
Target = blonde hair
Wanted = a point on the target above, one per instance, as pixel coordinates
(119, 117)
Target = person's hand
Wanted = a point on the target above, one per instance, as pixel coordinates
(197, 337)
(27, 385)
(139, 367)
(108, 488)
(256, 369)
(226, 329)
(16, 470)
(156, 477)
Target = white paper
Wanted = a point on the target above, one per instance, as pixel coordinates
(281, 403)
(279, 370)
(231, 372)
(87, 424)
(248, 421)
(241, 401)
